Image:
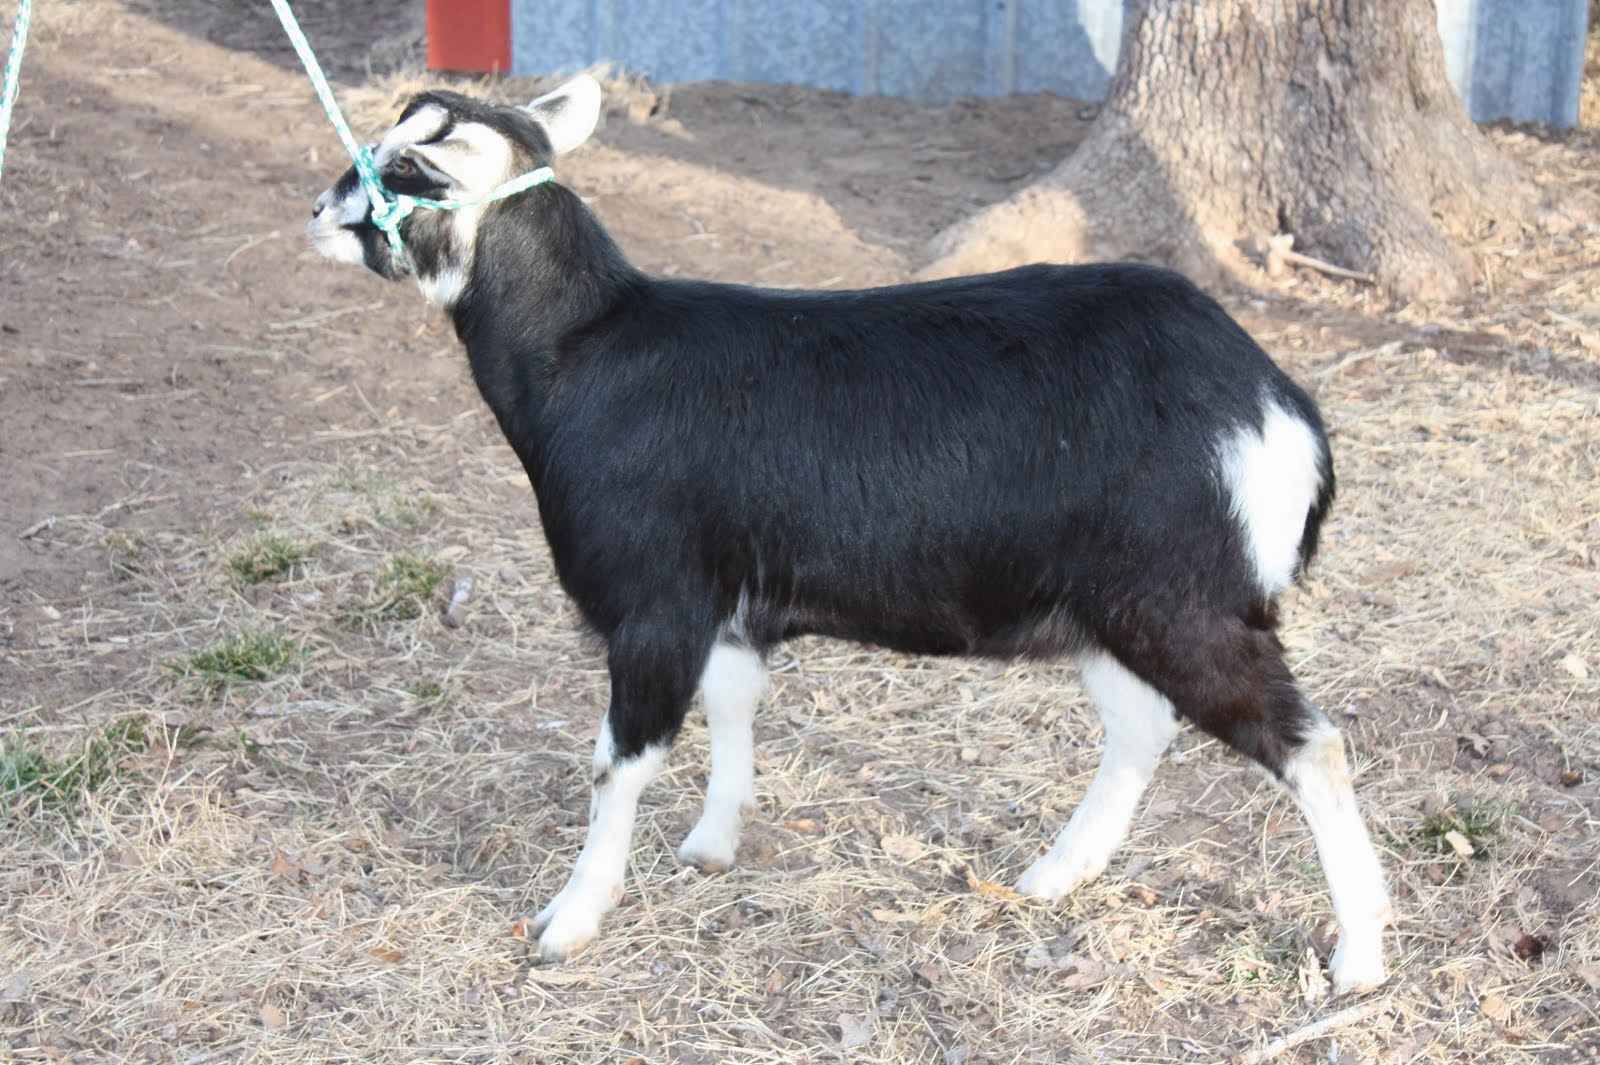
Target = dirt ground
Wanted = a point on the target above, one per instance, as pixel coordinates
(325, 862)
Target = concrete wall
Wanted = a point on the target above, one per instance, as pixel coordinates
(1519, 59)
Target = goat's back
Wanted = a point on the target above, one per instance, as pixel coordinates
(954, 466)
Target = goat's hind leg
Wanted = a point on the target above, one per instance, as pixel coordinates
(1139, 724)
(731, 685)
(1237, 687)
(1319, 780)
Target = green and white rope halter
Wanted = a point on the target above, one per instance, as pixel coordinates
(389, 208)
(8, 89)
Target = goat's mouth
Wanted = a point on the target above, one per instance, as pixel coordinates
(358, 244)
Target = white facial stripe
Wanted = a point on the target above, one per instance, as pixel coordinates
(428, 122)
(474, 157)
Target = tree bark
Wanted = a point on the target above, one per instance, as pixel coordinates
(1229, 121)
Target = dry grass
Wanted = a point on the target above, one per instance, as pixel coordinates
(327, 864)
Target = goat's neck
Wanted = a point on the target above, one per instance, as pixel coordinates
(543, 269)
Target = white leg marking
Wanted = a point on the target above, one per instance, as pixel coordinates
(573, 917)
(1272, 479)
(1319, 780)
(731, 685)
(1140, 723)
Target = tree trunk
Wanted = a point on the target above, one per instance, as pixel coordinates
(1230, 121)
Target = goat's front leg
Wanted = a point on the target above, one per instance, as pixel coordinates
(650, 693)
(731, 685)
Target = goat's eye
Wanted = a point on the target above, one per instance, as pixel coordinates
(402, 167)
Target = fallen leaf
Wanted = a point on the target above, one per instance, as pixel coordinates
(282, 866)
(18, 987)
(776, 982)
(990, 889)
(1589, 974)
(905, 848)
(1570, 778)
(272, 1017)
(1313, 985)
(1530, 947)
(1496, 1009)
(1460, 843)
(522, 928)
(388, 954)
(559, 977)
(897, 917)
(1079, 972)
(929, 972)
(854, 1033)
(807, 825)
(1143, 895)
(354, 845)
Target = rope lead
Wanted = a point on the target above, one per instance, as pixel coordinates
(8, 90)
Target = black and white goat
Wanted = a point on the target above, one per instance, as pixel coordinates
(1088, 460)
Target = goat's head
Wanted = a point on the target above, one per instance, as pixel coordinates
(448, 147)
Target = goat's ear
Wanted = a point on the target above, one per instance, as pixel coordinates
(569, 114)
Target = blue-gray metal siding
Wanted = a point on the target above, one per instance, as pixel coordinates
(1518, 59)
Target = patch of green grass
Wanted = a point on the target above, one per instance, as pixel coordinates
(425, 691)
(247, 656)
(402, 589)
(266, 557)
(239, 742)
(130, 556)
(1250, 960)
(27, 773)
(1481, 825)
(391, 504)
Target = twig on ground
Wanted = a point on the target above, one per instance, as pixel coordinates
(1315, 1030)
(1277, 253)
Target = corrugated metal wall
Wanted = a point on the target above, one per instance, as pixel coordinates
(1520, 59)
(916, 49)
(1516, 59)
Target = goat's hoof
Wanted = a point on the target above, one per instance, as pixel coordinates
(1355, 970)
(1052, 880)
(710, 849)
(705, 863)
(565, 936)
(571, 921)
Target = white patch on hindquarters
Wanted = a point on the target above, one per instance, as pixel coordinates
(1272, 479)
(572, 919)
(731, 685)
(1140, 724)
(1319, 779)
